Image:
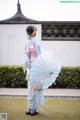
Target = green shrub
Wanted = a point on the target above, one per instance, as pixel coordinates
(69, 77)
(13, 76)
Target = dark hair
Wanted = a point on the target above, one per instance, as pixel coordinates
(30, 29)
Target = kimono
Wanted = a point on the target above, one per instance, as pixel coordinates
(32, 50)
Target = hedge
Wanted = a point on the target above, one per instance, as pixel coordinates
(14, 77)
(69, 77)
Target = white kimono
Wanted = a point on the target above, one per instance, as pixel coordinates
(32, 50)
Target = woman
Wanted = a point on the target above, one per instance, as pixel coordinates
(32, 50)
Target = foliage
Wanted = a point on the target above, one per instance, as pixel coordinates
(13, 76)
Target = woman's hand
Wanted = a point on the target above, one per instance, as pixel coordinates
(28, 64)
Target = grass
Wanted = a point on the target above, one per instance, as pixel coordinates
(54, 109)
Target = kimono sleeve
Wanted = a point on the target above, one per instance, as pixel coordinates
(39, 47)
(26, 57)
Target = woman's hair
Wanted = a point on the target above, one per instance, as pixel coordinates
(30, 29)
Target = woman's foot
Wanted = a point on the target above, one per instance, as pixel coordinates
(31, 112)
(34, 113)
(27, 113)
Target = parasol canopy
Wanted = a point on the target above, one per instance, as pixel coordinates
(45, 69)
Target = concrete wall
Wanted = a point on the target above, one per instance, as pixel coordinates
(69, 51)
(12, 40)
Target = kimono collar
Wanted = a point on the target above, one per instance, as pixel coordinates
(30, 38)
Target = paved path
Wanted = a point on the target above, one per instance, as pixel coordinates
(63, 93)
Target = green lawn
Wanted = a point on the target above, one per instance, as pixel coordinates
(54, 109)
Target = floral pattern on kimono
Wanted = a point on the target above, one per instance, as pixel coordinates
(31, 51)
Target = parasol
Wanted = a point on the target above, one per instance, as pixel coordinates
(45, 69)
